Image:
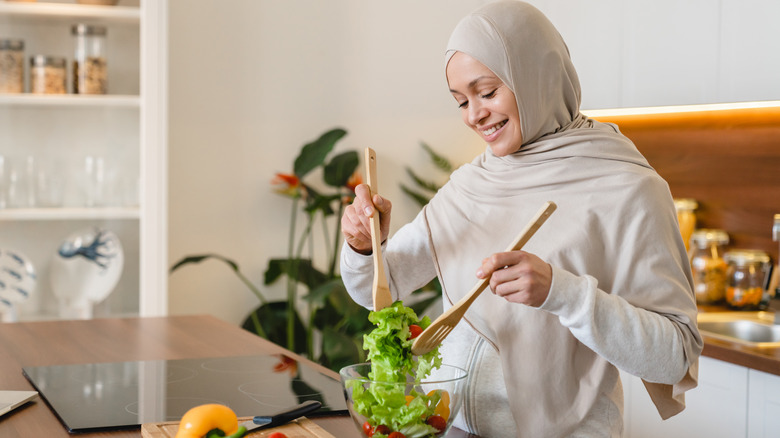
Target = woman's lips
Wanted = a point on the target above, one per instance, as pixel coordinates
(492, 132)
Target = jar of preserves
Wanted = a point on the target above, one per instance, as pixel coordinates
(708, 266)
(748, 273)
(90, 69)
(47, 74)
(11, 66)
(686, 218)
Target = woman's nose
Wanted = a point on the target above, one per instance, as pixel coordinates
(476, 113)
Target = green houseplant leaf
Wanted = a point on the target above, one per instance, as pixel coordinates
(271, 319)
(313, 154)
(338, 171)
(301, 270)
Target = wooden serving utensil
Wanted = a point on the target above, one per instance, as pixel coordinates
(443, 325)
(381, 290)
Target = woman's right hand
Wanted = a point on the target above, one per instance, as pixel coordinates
(355, 223)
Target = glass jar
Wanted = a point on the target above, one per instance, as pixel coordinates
(708, 266)
(11, 66)
(686, 218)
(47, 74)
(90, 69)
(748, 272)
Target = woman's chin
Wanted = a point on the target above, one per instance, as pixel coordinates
(502, 150)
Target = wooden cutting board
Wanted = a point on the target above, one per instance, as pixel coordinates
(300, 428)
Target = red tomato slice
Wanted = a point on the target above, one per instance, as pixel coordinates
(414, 331)
(368, 429)
(384, 430)
(438, 422)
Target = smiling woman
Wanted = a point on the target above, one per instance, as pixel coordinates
(577, 301)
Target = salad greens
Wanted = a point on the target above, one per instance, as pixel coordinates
(384, 402)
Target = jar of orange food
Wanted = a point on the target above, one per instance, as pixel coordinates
(708, 266)
(748, 272)
(686, 218)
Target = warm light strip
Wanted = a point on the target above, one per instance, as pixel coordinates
(679, 109)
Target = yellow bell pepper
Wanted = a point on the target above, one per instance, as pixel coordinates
(200, 420)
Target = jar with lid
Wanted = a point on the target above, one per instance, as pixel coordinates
(708, 266)
(47, 74)
(686, 218)
(748, 273)
(11, 66)
(90, 69)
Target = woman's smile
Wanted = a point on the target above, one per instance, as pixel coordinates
(491, 130)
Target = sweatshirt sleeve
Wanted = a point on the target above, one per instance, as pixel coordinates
(641, 342)
(407, 261)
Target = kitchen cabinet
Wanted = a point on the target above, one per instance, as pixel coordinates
(763, 411)
(716, 408)
(637, 53)
(125, 131)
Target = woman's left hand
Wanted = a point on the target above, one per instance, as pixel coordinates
(518, 276)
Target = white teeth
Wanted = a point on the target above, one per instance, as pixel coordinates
(494, 128)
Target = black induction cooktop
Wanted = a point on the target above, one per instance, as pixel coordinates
(124, 395)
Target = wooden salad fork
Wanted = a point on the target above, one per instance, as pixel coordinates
(443, 325)
(381, 290)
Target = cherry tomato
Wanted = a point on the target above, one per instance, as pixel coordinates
(414, 331)
(437, 421)
(396, 435)
(384, 430)
(277, 435)
(368, 429)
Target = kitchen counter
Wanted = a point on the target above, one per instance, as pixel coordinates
(126, 339)
(766, 359)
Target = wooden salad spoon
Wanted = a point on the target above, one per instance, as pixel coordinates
(381, 290)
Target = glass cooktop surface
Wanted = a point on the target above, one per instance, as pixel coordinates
(124, 395)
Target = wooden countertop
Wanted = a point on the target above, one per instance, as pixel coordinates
(126, 339)
(766, 359)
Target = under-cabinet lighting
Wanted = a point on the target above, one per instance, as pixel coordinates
(679, 108)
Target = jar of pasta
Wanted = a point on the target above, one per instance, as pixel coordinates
(47, 74)
(686, 218)
(708, 266)
(11, 66)
(748, 273)
(90, 69)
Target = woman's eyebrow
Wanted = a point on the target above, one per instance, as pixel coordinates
(472, 84)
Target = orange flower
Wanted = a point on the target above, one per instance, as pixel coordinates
(355, 180)
(287, 184)
(286, 364)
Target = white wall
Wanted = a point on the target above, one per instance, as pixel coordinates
(253, 80)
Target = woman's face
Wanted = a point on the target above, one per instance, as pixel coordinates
(487, 105)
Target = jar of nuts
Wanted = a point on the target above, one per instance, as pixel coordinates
(90, 70)
(748, 273)
(47, 74)
(11, 66)
(708, 266)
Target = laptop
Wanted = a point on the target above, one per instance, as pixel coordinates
(10, 400)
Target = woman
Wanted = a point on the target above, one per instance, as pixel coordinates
(604, 284)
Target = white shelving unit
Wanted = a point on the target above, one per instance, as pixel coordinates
(126, 127)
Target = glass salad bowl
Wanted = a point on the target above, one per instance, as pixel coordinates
(403, 409)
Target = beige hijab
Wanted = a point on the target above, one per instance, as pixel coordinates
(615, 225)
